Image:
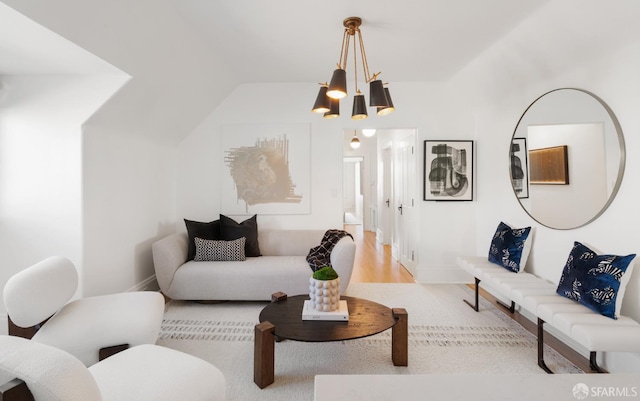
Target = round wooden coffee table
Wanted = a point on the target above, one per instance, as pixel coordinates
(282, 319)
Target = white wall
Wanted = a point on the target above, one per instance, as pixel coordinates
(128, 203)
(41, 166)
(589, 45)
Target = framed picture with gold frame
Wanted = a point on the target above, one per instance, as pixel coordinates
(549, 166)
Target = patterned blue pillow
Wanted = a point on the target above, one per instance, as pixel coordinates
(596, 281)
(510, 247)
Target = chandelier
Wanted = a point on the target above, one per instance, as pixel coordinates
(328, 99)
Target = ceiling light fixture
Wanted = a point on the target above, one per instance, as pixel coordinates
(368, 132)
(379, 96)
(355, 142)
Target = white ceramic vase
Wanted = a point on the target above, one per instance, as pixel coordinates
(324, 294)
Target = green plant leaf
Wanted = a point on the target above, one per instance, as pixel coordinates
(325, 273)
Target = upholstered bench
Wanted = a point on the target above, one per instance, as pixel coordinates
(540, 298)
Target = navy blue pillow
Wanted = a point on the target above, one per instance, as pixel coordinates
(510, 247)
(596, 281)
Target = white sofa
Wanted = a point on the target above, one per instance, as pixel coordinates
(282, 267)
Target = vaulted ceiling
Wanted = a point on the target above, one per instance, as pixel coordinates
(299, 41)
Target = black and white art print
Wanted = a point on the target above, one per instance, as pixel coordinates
(266, 169)
(448, 170)
(519, 170)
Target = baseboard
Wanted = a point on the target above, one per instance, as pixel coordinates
(149, 284)
(442, 275)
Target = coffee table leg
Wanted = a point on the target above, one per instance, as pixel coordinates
(263, 354)
(399, 338)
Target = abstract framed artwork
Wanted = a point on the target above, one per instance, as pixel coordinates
(549, 166)
(448, 170)
(266, 169)
(519, 167)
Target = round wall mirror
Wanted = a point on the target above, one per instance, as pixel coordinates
(567, 158)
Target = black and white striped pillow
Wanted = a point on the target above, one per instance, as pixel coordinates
(218, 250)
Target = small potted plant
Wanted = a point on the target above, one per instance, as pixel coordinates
(324, 290)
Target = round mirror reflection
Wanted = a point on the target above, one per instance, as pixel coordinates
(567, 158)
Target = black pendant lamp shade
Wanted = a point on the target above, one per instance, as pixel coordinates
(338, 84)
(334, 110)
(359, 107)
(383, 111)
(322, 104)
(377, 96)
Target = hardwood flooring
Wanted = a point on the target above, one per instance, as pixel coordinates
(373, 263)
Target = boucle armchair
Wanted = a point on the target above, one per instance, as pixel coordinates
(34, 371)
(36, 298)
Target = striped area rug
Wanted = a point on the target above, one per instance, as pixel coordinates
(445, 337)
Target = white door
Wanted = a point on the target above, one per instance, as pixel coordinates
(385, 231)
(404, 189)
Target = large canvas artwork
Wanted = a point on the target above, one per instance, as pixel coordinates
(266, 169)
(448, 170)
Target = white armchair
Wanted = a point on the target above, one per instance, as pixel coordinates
(88, 327)
(39, 372)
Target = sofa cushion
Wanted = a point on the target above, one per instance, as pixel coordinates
(219, 250)
(210, 230)
(596, 281)
(230, 230)
(255, 279)
(510, 247)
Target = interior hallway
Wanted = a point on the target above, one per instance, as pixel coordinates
(373, 263)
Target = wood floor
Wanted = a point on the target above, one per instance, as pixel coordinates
(373, 263)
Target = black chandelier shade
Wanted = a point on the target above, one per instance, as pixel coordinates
(359, 111)
(384, 110)
(323, 102)
(377, 95)
(334, 109)
(338, 84)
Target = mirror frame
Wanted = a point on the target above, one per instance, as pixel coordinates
(621, 165)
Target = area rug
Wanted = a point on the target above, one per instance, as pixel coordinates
(445, 337)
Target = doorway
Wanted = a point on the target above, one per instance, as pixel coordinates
(379, 180)
(353, 196)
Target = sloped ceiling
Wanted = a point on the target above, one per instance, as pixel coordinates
(299, 41)
(186, 56)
